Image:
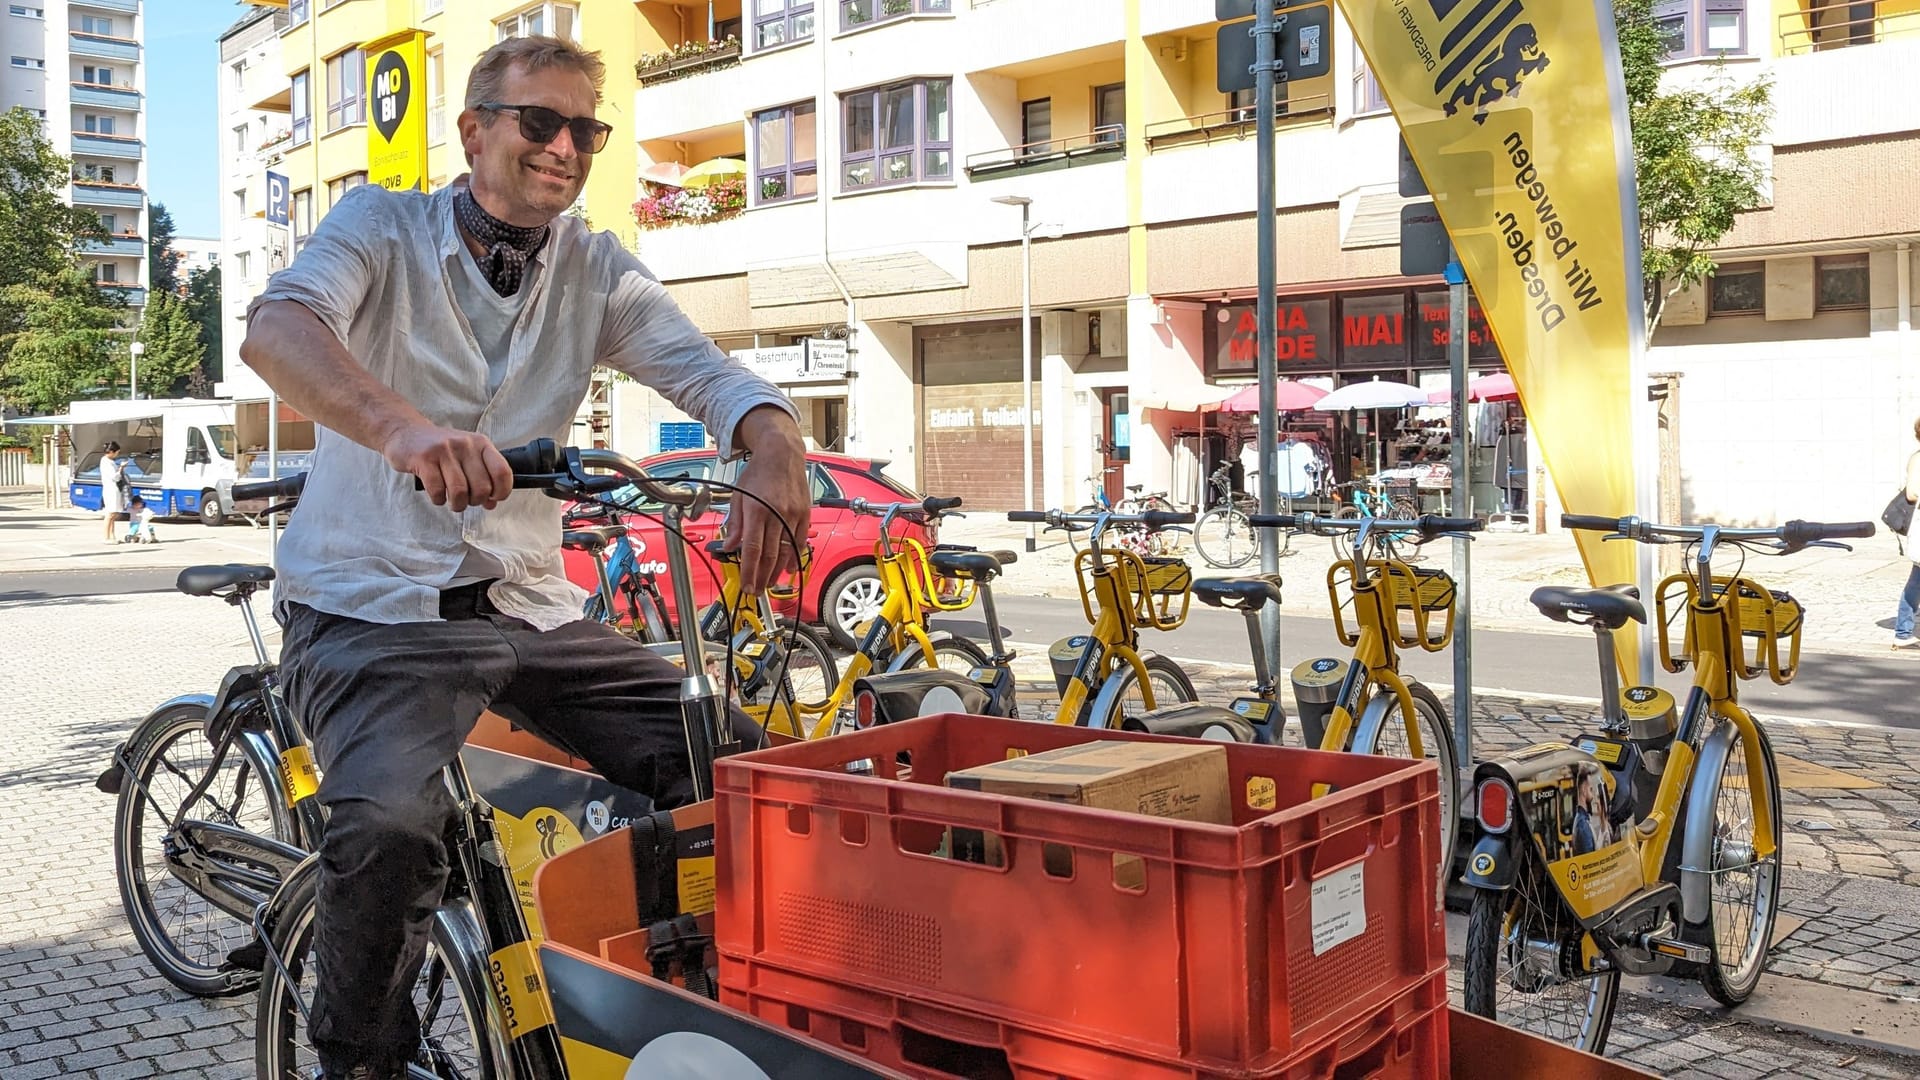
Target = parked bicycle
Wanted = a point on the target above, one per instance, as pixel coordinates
(1577, 874)
(1140, 539)
(1222, 534)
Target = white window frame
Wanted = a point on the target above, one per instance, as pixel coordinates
(516, 24)
(436, 97)
(31, 63)
(346, 109)
(26, 12)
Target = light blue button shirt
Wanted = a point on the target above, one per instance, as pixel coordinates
(363, 542)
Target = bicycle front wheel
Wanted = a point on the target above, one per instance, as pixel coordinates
(1745, 890)
(811, 672)
(1513, 973)
(1388, 736)
(183, 933)
(1225, 539)
(1122, 697)
(450, 995)
(956, 654)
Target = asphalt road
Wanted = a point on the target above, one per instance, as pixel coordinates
(1878, 691)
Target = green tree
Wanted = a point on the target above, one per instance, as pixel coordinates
(67, 343)
(173, 349)
(163, 262)
(1694, 148)
(203, 306)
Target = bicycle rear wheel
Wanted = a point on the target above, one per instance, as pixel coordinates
(1513, 970)
(1225, 539)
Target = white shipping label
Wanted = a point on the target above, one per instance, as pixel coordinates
(1339, 907)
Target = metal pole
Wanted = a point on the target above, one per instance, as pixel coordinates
(1265, 46)
(1462, 507)
(273, 473)
(1026, 371)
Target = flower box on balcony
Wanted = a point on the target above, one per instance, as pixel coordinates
(687, 58)
(663, 206)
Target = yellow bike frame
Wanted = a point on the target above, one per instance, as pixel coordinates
(1112, 611)
(1375, 662)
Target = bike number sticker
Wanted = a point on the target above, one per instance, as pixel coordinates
(299, 777)
(1339, 907)
(515, 974)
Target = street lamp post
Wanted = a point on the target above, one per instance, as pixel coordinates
(1026, 356)
(133, 370)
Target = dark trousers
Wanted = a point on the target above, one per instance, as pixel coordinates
(388, 708)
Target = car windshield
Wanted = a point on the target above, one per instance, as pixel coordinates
(224, 443)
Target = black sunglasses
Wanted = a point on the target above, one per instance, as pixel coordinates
(539, 125)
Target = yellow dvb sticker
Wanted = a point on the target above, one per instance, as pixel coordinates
(299, 777)
(515, 974)
(1262, 793)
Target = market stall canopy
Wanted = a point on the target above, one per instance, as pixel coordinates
(1192, 397)
(102, 412)
(1378, 394)
(1497, 387)
(1289, 396)
(708, 173)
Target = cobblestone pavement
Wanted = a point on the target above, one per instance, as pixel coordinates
(1850, 597)
(78, 999)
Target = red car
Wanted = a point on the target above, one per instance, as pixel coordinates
(841, 590)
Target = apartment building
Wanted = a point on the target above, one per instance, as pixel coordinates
(890, 143)
(250, 136)
(78, 64)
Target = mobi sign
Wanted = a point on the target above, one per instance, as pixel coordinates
(397, 111)
(1515, 113)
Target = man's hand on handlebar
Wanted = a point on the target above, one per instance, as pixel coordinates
(457, 469)
(758, 530)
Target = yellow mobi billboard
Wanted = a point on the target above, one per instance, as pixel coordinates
(397, 110)
(1516, 114)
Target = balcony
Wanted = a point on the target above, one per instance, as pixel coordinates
(688, 58)
(1007, 34)
(123, 147)
(1234, 124)
(1096, 146)
(81, 43)
(99, 96)
(1820, 25)
(125, 7)
(121, 244)
(1201, 167)
(134, 295)
(104, 193)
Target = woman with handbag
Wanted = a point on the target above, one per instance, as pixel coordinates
(114, 485)
(1903, 635)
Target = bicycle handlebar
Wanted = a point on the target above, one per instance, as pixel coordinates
(1428, 526)
(287, 487)
(931, 506)
(1151, 519)
(1792, 536)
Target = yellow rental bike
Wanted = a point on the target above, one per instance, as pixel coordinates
(1652, 846)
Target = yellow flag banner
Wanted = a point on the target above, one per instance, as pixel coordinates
(1516, 115)
(397, 110)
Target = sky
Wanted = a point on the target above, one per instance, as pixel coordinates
(183, 123)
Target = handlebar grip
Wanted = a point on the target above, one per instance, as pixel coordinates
(1433, 524)
(1274, 521)
(1800, 533)
(287, 487)
(539, 456)
(1023, 516)
(932, 505)
(1160, 519)
(1589, 522)
(833, 502)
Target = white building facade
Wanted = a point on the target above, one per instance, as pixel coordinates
(250, 139)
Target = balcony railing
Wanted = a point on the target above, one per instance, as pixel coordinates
(107, 193)
(1840, 24)
(119, 244)
(105, 46)
(1107, 143)
(114, 146)
(134, 295)
(101, 96)
(1236, 123)
(690, 58)
(125, 7)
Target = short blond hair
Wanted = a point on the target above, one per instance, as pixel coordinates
(537, 53)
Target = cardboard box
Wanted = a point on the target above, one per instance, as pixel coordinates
(1184, 781)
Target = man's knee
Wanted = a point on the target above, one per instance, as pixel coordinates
(389, 832)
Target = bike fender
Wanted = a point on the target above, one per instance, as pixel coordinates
(1696, 824)
(1491, 865)
(1366, 731)
(205, 701)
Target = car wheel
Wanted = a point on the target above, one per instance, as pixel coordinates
(210, 513)
(853, 598)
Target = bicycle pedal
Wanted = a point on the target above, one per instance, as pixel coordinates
(1679, 950)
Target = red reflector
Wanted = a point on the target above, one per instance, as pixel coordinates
(864, 704)
(1496, 806)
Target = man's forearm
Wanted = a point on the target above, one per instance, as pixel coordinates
(768, 429)
(306, 365)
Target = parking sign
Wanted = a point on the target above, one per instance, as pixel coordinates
(276, 199)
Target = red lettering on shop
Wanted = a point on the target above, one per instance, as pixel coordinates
(1294, 337)
(1375, 330)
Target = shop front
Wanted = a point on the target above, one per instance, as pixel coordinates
(1337, 339)
(971, 414)
(812, 372)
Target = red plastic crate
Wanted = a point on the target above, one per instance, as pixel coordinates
(1404, 1039)
(830, 874)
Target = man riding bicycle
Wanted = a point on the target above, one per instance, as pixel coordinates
(421, 332)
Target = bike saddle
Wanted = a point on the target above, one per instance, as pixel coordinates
(205, 580)
(1608, 607)
(1238, 594)
(978, 565)
(592, 540)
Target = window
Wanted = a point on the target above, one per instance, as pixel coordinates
(98, 76)
(244, 259)
(785, 162)
(240, 202)
(239, 69)
(1738, 290)
(776, 22)
(108, 273)
(96, 24)
(1843, 282)
(296, 12)
(899, 134)
(1367, 98)
(434, 7)
(346, 89)
(1702, 27)
(109, 223)
(102, 174)
(559, 20)
(1036, 126)
(337, 189)
(302, 103)
(29, 12)
(97, 125)
(1110, 113)
(30, 62)
(436, 97)
(240, 139)
(1241, 102)
(301, 217)
(861, 12)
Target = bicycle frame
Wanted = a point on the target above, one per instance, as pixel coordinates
(1115, 638)
(1375, 663)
